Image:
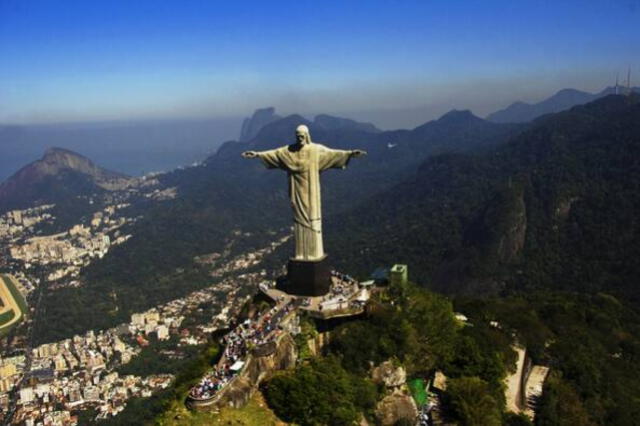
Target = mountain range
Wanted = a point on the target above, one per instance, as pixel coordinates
(521, 112)
(473, 206)
(553, 208)
(143, 146)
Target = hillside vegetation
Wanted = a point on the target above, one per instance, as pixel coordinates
(554, 208)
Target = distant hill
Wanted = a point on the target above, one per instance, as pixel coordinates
(521, 112)
(59, 174)
(556, 207)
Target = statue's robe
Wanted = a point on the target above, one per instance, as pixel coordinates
(303, 164)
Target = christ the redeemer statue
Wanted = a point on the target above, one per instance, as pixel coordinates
(303, 162)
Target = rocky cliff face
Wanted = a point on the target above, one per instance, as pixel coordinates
(494, 238)
(261, 364)
(389, 374)
(505, 223)
(283, 357)
(395, 408)
(318, 342)
(398, 405)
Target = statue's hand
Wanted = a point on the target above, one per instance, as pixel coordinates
(249, 154)
(358, 153)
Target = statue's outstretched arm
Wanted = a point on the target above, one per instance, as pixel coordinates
(270, 158)
(337, 158)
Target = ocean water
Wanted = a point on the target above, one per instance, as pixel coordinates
(133, 148)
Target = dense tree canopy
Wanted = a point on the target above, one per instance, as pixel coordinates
(418, 328)
(470, 402)
(321, 392)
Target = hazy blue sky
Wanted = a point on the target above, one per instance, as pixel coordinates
(93, 60)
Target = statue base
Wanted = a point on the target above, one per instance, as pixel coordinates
(307, 277)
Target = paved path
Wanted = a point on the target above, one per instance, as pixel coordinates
(513, 393)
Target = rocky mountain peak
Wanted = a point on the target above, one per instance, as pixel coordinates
(260, 118)
(57, 159)
(58, 171)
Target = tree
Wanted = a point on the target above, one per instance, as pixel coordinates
(469, 401)
(320, 392)
(560, 405)
(513, 419)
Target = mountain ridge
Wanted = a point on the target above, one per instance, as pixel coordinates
(520, 112)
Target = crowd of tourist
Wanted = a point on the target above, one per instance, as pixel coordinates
(341, 291)
(249, 334)
(211, 384)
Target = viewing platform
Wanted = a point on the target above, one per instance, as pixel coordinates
(346, 297)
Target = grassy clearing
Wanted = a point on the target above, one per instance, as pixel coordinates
(5, 317)
(256, 412)
(15, 293)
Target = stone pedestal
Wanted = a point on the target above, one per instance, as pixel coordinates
(307, 278)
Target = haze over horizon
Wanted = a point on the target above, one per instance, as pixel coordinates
(396, 64)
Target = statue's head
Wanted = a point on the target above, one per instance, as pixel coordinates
(302, 135)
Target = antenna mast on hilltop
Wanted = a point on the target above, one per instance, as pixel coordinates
(615, 90)
(629, 80)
